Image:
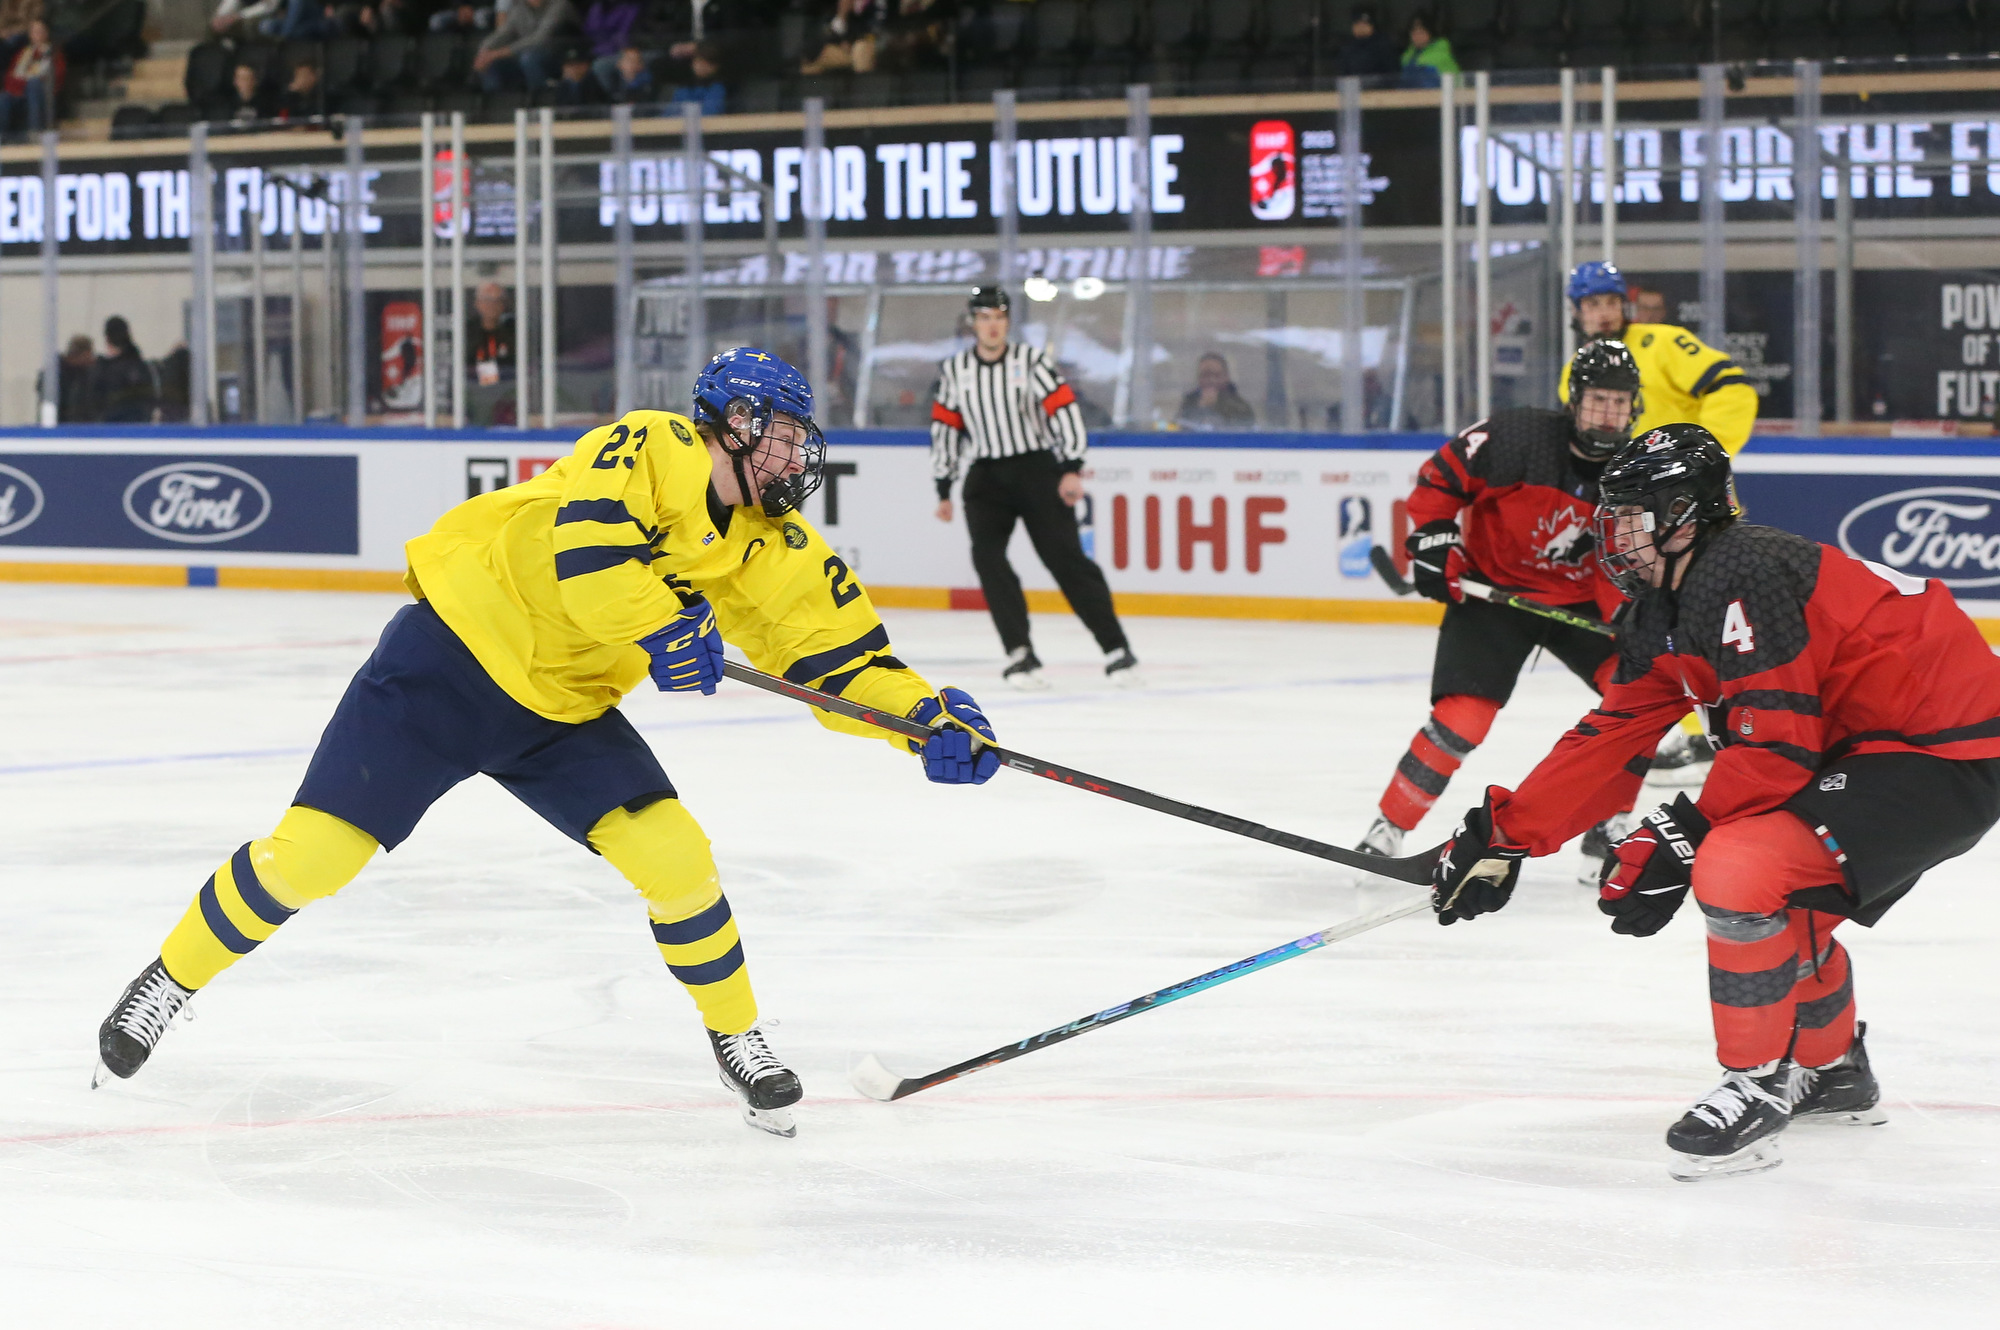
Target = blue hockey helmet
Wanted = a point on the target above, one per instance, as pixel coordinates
(738, 394)
(1596, 279)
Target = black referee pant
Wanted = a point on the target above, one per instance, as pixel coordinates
(997, 492)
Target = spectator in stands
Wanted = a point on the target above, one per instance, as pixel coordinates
(489, 340)
(703, 82)
(1428, 55)
(34, 80)
(302, 98)
(1214, 403)
(245, 101)
(249, 14)
(1368, 50)
(15, 16)
(74, 402)
(391, 18)
(1648, 306)
(849, 41)
(579, 84)
(631, 78)
(172, 373)
(304, 21)
(524, 50)
(122, 381)
(607, 29)
(462, 18)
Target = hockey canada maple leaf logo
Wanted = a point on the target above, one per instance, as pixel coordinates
(1561, 540)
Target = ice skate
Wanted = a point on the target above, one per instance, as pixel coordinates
(1734, 1129)
(1597, 845)
(767, 1087)
(1681, 762)
(1122, 668)
(1024, 671)
(1843, 1091)
(142, 1014)
(1384, 838)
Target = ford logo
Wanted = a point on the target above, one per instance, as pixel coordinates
(20, 499)
(1948, 532)
(197, 503)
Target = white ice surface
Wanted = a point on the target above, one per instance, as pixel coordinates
(464, 1092)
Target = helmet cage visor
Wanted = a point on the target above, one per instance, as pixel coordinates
(761, 439)
(1629, 535)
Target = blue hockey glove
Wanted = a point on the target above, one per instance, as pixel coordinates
(948, 754)
(687, 653)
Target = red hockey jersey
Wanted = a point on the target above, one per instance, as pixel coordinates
(1524, 502)
(1798, 655)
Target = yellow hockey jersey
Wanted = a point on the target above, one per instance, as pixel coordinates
(1683, 379)
(551, 583)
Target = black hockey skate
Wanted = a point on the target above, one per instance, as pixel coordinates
(767, 1087)
(144, 1010)
(1598, 843)
(1843, 1091)
(1122, 668)
(1734, 1129)
(1024, 671)
(1682, 761)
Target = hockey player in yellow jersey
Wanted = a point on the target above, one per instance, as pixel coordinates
(1681, 378)
(538, 607)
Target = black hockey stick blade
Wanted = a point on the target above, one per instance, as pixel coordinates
(878, 1082)
(1385, 564)
(1414, 869)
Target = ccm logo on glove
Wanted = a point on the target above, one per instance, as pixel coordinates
(687, 653)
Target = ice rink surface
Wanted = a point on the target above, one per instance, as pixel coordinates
(465, 1092)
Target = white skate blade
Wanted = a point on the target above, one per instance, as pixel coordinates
(1757, 1157)
(1030, 681)
(99, 1074)
(1860, 1117)
(777, 1121)
(1128, 679)
(875, 1080)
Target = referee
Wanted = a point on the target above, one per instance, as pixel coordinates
(1005, 404)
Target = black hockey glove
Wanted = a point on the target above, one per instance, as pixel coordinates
(1437, 560)
(1648, 873)
(1476, 872)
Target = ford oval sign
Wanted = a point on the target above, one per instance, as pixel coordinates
(20, 499)
(198, 503)
(1948, 532)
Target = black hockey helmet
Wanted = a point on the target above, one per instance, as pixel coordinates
(1605, 363)
(1675, 476)
(989, 297)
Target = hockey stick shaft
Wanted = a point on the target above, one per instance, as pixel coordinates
(1385, 564)
(1414, 869)
(875, 1081)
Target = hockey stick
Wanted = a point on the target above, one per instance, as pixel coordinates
(878, 1082)
(1385, 564)
(1414, 869)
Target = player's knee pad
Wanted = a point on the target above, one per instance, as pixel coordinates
(310, 856)
(664, 853)
(1468, 718)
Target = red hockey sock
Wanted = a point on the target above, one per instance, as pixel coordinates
(1762, 955)
(1458, 724)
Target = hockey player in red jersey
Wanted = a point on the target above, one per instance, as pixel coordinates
(1856, 714)
(1508, 503)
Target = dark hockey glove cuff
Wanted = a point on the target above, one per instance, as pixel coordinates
(1431, 547)
(1478, 867)
(1649, 872)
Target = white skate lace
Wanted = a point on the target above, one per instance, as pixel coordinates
(1800, 1084)
(1732, 1099)
(150, 1010)
(749, 1056)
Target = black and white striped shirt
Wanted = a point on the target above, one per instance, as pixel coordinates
(1002, 408)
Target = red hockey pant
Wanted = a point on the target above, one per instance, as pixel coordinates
(1777, 981)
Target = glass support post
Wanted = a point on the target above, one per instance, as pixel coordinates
(1006, 191)
(1482, 245)
(1608, 117)
(354, 233)
(460, 188)
(201, 306)
(259, 331)
(298, 307)
(1843, 284)
(523, 324)
(813, 194)
(427, 232)
(1448, 252)
(1712, 272)
(1139, 267)
(1566, 206)
(547, 221)
(624, 281)
(696, 263)
(50, 409)
(1806, 175)
(1353, 181)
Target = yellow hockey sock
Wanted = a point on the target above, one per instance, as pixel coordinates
(661, 850)
(266, 882)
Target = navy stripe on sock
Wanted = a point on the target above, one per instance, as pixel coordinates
(228, 934)
(261, 902)
(710, 972)
(683, 931)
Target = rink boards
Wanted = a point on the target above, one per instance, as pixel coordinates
(1240, 526)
